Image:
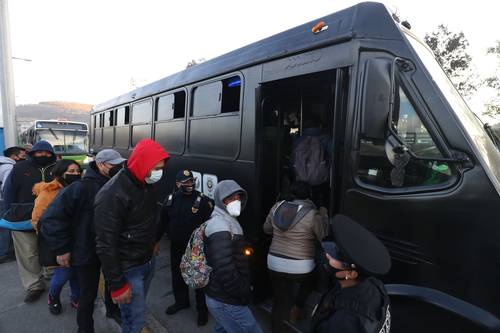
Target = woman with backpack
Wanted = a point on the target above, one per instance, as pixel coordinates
(65, 172)
(228, 289)
(297, 226)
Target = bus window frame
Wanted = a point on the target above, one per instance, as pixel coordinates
(190, 117)
(156, 98)
(406, 83)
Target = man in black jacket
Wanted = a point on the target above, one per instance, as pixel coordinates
(183, 212)
(68, 227)
(18, 204)
(125, 213)
(228, 290)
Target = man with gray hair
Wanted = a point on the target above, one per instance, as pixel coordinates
(68, 226)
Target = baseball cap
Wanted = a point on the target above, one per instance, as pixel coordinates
(109, 156)
(184, 175)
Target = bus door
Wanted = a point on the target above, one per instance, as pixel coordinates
(292, 109)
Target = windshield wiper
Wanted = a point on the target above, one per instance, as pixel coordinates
(53, 133)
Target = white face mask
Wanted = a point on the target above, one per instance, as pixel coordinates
(234, 208)
(155, 176)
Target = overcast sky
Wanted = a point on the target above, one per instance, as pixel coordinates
(92, 50)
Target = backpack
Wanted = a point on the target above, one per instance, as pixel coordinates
(194, 267)
(310, 162)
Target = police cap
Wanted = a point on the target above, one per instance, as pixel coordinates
(184, 175)
(356, 245)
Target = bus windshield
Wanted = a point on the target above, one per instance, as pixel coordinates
(479, 139)
(65, 142)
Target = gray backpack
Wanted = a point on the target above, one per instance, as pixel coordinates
(310, 164)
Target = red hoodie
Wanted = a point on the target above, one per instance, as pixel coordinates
(147, 153)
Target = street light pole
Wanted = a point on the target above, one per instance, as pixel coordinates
(8, 104)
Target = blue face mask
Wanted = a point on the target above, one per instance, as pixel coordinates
(155, 176)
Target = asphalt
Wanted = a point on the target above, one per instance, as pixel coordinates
(19, 317)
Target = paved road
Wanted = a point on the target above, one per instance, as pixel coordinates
(19, 317)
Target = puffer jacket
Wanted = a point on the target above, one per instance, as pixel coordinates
(68, 223)
(45, 194)
(125, 214)
(230, 277)
(18, 187)
(296, 226)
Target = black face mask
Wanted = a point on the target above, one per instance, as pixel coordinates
(70, 178)
(44, 160)
(114, 170)
(329, 270)
(186, 189)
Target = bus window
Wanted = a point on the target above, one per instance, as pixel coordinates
(207, 99)
(122, 116)
(375, 168)
(141, 112)
(110, 119)
(231, 89)
(165, 108)
(141, 120)
(122, 128)
(170, 106)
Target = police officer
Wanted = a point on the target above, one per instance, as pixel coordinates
(357, 302)
(183, 211)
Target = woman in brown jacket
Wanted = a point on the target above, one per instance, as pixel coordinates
(65, 172)
(296, 226)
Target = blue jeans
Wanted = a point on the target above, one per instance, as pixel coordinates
(232, 318)
(134, 314)
(59, 279)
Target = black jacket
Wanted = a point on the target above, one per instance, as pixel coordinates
(230, 276)
(126, 225)
(363, 308)
(181, 214)
(18, 188)
(68, 223)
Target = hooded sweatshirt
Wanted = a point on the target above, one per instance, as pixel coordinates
(6, 165)
(18, 188)
(125, 216)
(230, 277)
(147, 153)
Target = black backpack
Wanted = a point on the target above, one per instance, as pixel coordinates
(310, 162)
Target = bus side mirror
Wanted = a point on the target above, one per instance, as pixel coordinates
(376, 98)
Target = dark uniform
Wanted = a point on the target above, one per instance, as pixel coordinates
(363, 307)
(181, 214)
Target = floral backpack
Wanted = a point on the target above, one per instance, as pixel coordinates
(194, 268)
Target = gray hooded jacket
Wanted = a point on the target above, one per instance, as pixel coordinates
(230, 277)
(6, 165)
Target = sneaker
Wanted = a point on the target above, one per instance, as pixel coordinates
(55, 306)
(173, 309)
(33, 295)
(202, 318)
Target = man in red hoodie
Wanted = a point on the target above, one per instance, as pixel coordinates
(125, 215)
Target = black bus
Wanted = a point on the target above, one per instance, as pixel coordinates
(409, 159)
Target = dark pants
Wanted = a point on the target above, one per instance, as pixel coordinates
(88, 280)
(181, 290)
(111, 307)
(289, 290)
